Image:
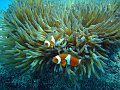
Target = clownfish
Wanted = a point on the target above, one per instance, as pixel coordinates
(50, 42)
(66, 59)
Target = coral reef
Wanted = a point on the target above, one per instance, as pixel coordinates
(82, 29)
(9, 79)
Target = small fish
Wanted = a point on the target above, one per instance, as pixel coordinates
(51, 40)
(50, 43)
(66, 59)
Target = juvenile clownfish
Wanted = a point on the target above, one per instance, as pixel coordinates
(50, 43)
(66, 59)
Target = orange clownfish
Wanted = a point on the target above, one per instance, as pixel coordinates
(50, 42)
(66, 59)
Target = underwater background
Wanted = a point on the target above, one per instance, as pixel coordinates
(12, 79)
(4, 4)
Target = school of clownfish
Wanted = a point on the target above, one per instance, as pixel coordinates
(63, 58)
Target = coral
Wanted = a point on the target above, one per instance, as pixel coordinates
(83, 29)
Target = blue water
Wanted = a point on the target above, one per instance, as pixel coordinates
(4, 4)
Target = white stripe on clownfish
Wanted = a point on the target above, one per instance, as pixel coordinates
(68, 59)
(59, 59)
(46, 41)
(53, 39)
(79, 61)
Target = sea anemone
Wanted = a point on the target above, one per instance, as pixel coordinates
(83, 29)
